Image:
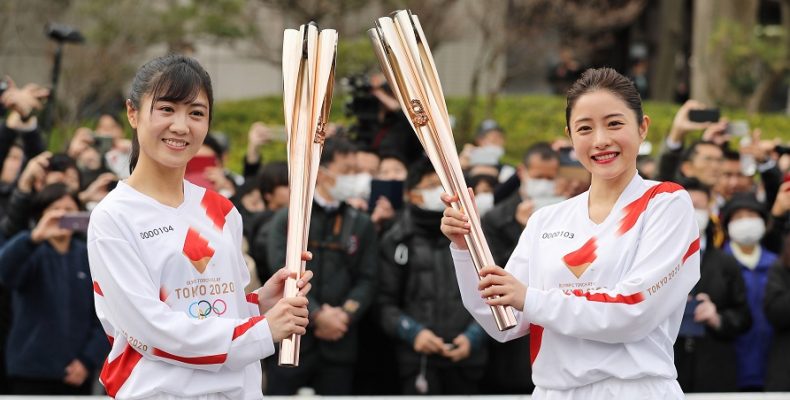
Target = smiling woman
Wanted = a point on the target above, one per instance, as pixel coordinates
(166, 260)
(602, 302)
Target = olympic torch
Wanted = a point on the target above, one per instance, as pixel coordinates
(407, 62)
(308, 80)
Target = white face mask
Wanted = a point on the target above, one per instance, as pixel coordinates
(536, 188)
(432, 199)
(746, 231)
(485, 202)
(703, 216)
(362, 185)
(344, 187)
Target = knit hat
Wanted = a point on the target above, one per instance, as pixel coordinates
(743, 201)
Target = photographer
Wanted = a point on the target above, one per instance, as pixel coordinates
(42, 170)
(380, 125)
(47, 269)
(20, 138)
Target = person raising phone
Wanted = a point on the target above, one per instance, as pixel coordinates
(46, 269)
(166, 260)
(599, 281)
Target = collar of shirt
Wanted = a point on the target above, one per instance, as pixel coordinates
(326, 204)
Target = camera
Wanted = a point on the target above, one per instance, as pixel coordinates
(363, 106)
(63, 33)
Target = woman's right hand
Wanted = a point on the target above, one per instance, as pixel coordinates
(48, 226)
(455, 224)
(287, 317)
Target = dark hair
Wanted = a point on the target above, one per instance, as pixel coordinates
(173, 77)
(334, 146)
(595, 79)
(50, 194)
(731, 155)
(543, 150)
(395, 155)
(60, 162)
(212, 142)
(417, 171)
(694, 185)
(785, 255)
(691, 151)
(272, 176)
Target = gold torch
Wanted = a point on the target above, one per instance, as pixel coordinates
(308, 80)
(406, 59)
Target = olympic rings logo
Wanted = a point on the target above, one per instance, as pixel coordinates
(203, 308)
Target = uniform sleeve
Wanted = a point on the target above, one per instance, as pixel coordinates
(664, 270)
(241, 262)
(518, 265)
(129, 298)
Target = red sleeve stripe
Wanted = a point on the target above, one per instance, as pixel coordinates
(252, 298)
(631, 298)
(693, 248)
(605, 298)
(202, 360)
(243, 328)
(97, 289)
(116, 372)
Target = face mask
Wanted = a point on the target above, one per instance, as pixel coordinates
(703, 217)
(485, 202)
(746, 231)
(344, 187)
(536, 188)
(362, 185)
(432, 199)
(486, 155)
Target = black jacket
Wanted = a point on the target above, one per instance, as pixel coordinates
(345, 264)
(419, 289)
(502, 230)
(777, 310)
(707, 364)
(509, 359)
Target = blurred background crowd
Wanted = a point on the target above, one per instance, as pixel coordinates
(386, 313)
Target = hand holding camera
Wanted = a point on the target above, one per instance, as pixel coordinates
(49, 227)
(34, 172)
(691, 116)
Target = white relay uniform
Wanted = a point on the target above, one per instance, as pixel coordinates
(604, 301)
(169, 292)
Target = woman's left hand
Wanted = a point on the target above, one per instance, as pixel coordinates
(498, 282)
(272, 291)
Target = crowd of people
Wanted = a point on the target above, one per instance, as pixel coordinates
(386, 314)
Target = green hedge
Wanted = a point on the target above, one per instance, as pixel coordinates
(527, 119)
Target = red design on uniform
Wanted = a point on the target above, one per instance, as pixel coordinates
(97, 289)
(197, 250)
(201, 360)
(535, 339)
(252, 298)
(243, 328)
(578, 261)
(605, 298)
(638, 206)
(116, 372)
(693, 248)
(217, 207)
(163, 294)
